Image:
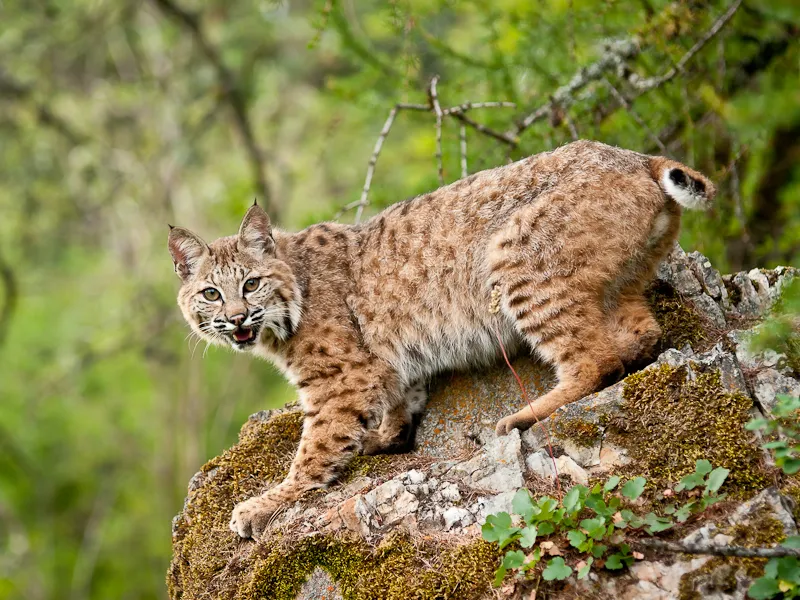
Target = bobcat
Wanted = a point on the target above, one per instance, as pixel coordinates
(358, 317)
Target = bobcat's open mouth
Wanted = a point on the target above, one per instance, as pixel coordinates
(244, 335)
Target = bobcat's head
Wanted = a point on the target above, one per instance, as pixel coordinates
(235, 290)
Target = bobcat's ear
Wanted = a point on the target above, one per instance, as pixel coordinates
(186, 249)
(255, 233)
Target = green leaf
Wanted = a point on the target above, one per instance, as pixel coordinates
(702, 466)
(789, 569)
(690, 482)
(716, 478)
(612, 483)
(791, 466)
(684, 512)
(573, 501)
(499, 575)
(545, 528)
(793, 541)
(498, 529)
(634, 488)
(514, 560)
(584, 570)
(556, 569)
(774, 445)
(599, 550)
(614, 562)
(595, 528)
(576, 538)
(756, 424)
(656, 523)
(522, 505)
(764, 588)
(527, 536)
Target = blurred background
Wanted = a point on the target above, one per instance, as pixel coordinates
(118, 117)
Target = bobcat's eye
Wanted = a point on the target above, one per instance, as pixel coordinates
(251, 285)
(211, 294)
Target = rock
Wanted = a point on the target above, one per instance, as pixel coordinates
(706, 306)
(392, 502)
(540, 463)
(749, 303)
(567, 466)
(768, 383)
(707, 275)
(493, 505)
(320, 586)
(498, 468)
(456, 516)
(771, 500)
(677, 273)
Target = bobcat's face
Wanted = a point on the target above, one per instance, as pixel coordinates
(235, 290)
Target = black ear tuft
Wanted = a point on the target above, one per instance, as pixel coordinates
(255, 232)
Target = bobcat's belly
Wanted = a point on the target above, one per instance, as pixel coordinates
(452, 349)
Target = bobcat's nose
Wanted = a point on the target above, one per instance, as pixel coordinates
(237, 319)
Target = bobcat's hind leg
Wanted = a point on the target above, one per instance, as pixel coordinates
(579, 345)
(398, 427)
(635, 331)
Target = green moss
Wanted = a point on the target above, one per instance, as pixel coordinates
(670, 421)
(680, 323)
(762, 531)
(367, 466)
(583, 433)
(734, 293)
(202, 542)
(397, 570)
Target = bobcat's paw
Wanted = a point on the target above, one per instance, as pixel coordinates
(521, 420)
(251, 517)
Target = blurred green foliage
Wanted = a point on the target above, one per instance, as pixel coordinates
(117, 117)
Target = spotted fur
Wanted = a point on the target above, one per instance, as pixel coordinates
(359, 317)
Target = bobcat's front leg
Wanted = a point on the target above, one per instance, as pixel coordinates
(333, 431)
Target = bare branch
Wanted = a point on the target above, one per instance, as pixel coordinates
(501, 137)
(437, 110)
(614, 58)
(634, 115)
(573, 131)
(231, 92)
(654, 82)
(709, 549)
(471, 105)
(462, 136)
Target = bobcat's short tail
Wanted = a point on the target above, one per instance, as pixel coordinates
(686, 186)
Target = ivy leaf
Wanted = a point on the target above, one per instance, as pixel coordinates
(576, 538)
(584, 570)
(547, 507)
(612, 483)
(556, 569)
(764, 588)
(775, 445)
(789, 569)
(528, 536)
(690, 482)
(634, 488)
(702, 467)
(523, 505)
(716, 478)
(599, 550)
(514, 560)
(498, 529)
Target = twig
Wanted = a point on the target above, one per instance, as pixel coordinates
(230, 91)
(437, 110)
(501, 137)
(740, 551)
(471, 105)
(654, 82)
(462, 136)
(634, 115)
(362, 202)
(573, 131)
